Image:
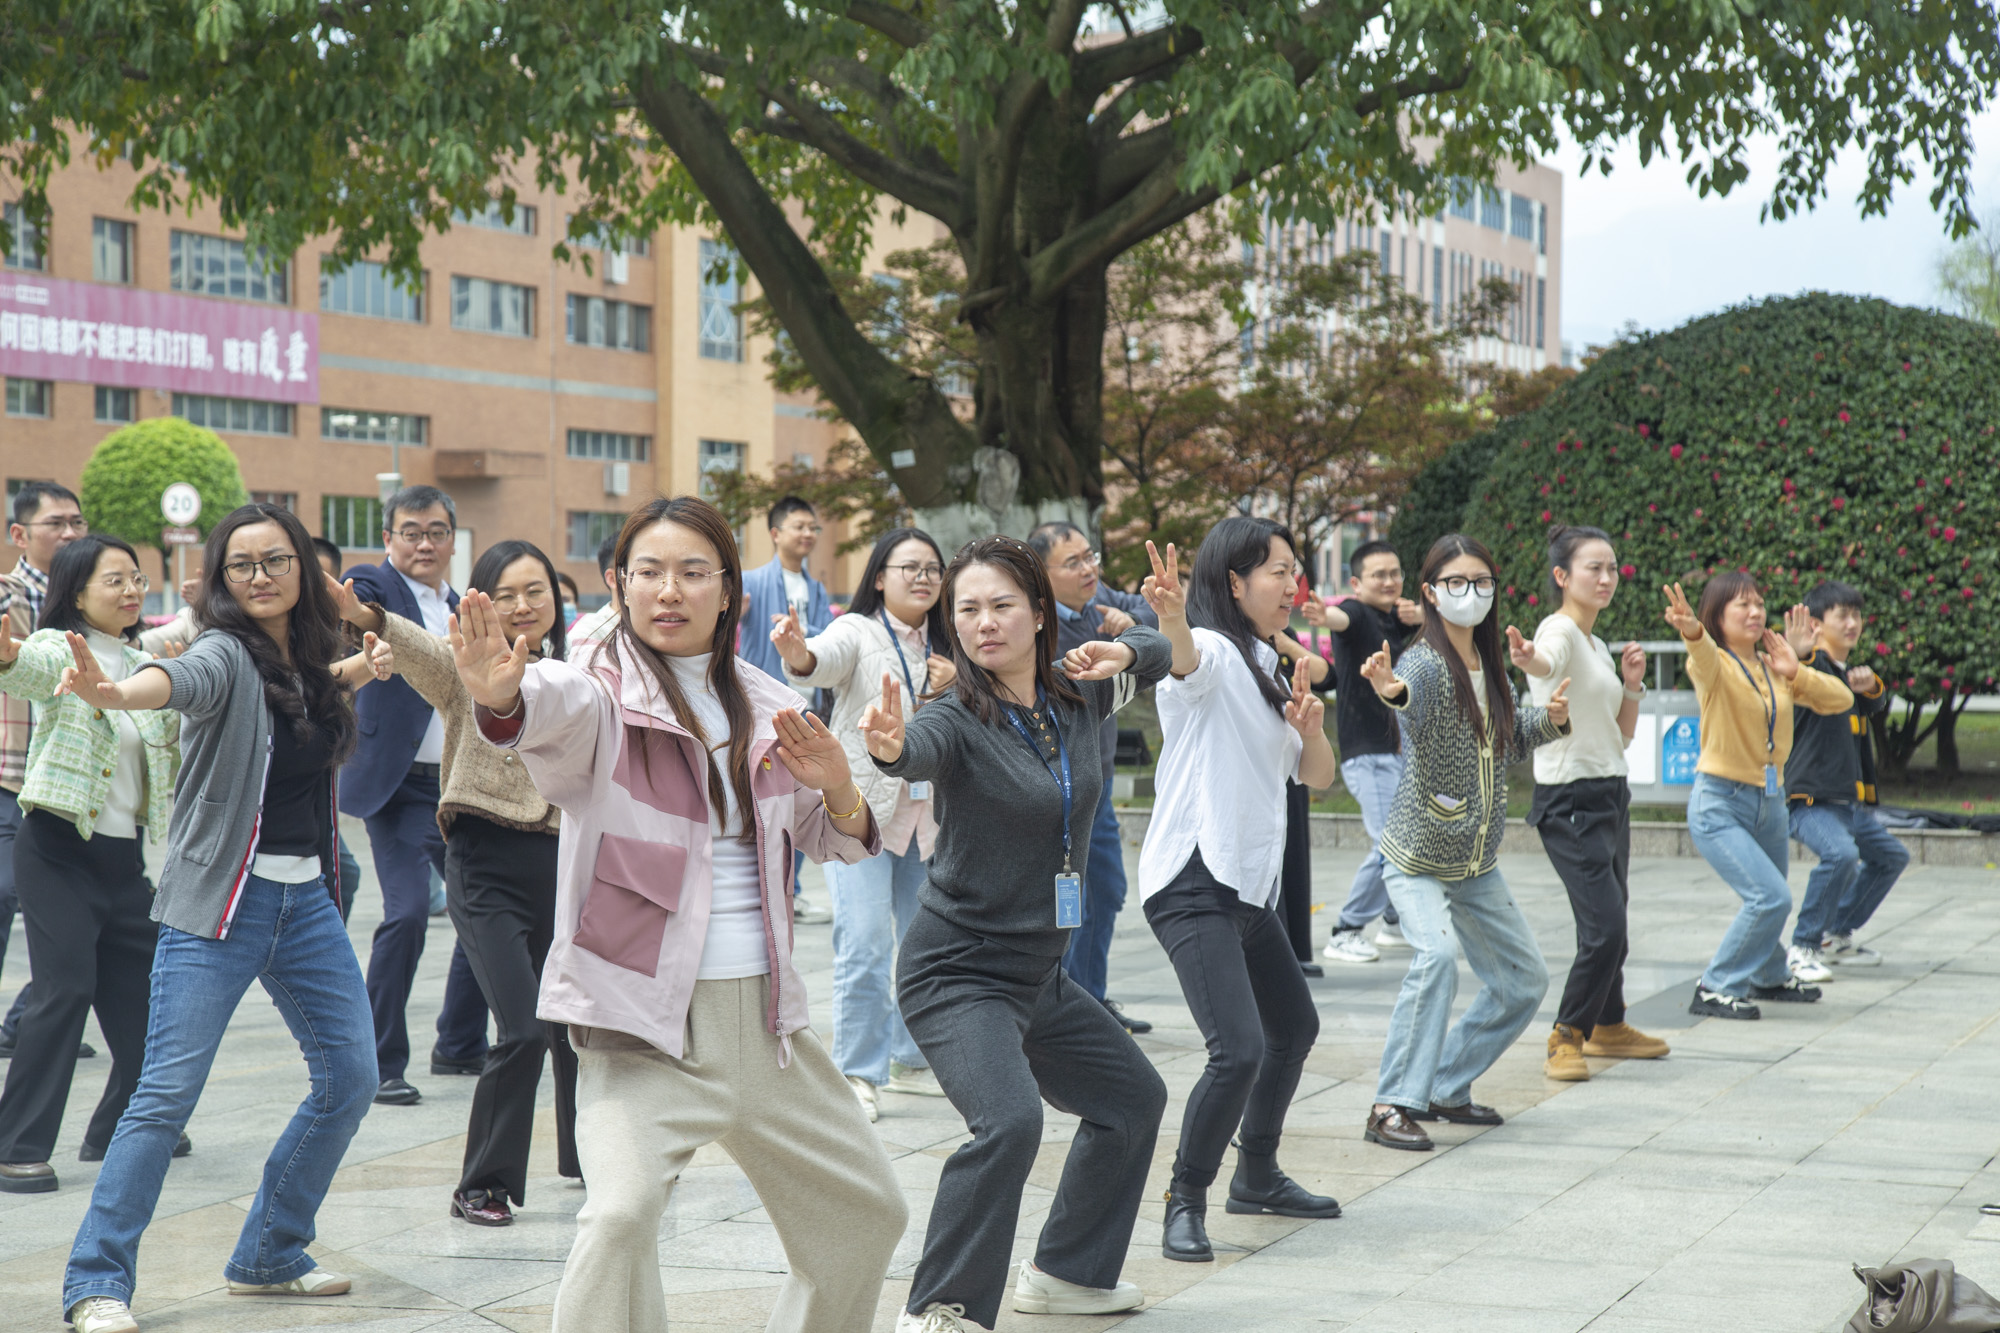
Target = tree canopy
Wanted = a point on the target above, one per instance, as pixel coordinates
(133, 466)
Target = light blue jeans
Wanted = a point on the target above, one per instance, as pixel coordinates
(1741, 833)
(874, 902)
(1859, 862)
(1373, 779)
(1422, 1061)
(289, 938)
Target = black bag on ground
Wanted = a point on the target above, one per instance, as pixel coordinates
(1922, 1296)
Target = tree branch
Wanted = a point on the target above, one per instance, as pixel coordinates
(938, 195)
(1100, 67)
(899, 26)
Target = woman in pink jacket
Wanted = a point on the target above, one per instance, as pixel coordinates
(684, 784)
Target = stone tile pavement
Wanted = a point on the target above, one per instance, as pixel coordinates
(1727, 1187)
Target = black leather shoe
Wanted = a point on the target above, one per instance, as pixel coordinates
(1393, 1128)
(27, 1178)
(1185, 1236)
(1260, 1187)
(1135, 1026)
(443, 1065)
(1472, 1113)
(482, 1208)
(1311, 968)
(85, 1051)
(396, 1092)
(92, 1153)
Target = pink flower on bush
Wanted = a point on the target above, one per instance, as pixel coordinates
(1881, 649)
(1840, 502)
(1966, 593)
(1951, 534)
(1784, 422)
(1844, 418)
(1534, 600)
(1627, 571)
(1790, 489)
(1545, 516)
(1674, 452)
(1644, 430)
(1906, 365)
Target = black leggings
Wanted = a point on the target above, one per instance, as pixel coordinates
(1295, 894)
(1250, 1001)
(1586, 830)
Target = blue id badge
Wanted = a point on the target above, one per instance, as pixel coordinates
(920, 791)
(1770, 779)
(1069, 902)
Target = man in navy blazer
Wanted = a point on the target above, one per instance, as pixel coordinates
(391, 784)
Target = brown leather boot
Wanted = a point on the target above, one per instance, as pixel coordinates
(1623, 1041)
(1565, 1062)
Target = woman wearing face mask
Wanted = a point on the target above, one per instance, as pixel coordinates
(95, 780)
(1441, 841)
(500, 877)
(1582, 800)
(249, 892)
(1746, 679)
(1209, 874)
(684, 783)
(895, 629)
(1012, 755)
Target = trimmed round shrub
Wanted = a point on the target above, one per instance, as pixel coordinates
(133, 466)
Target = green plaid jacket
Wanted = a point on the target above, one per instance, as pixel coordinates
(75, 745)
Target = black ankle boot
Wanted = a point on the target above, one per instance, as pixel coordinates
(1186, 1233)
(1260, 1187)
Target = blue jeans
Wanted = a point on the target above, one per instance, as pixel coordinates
(1859, 862)
(1088, 960)
(289, 938)
(1740, 832)
(1422, 1062)
(1373, 779)
(874, 902)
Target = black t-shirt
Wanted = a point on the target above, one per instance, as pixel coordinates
(296, 795)
(1364, 723)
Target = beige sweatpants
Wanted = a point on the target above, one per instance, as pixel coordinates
(798, 1133)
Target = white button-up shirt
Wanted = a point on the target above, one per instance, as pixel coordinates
(436, 610)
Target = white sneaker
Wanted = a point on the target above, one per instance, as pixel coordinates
(865, 1092)
(1391, 937)
(1806, 965)
(1347, 946)
(1842, 951)
(319, 1282)
(1039, 1293)
(102, 1314)
(806, 910)
(937, 1318)
(913, 1080)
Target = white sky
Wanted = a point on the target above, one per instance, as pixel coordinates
(1640, 245)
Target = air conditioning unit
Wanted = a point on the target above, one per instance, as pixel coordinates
(617, 268)
(617, 478)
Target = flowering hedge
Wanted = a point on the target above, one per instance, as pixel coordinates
(1803, 438)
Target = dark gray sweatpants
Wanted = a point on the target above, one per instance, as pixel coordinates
(1002, 1031)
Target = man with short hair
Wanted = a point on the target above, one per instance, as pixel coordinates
(1086, 609)
(596, 626)
(391, 784)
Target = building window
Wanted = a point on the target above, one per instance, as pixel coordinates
(610, 446)
(1493, 209)
(719, 456)
(22, 237)
(365, 288)
(347, 423)
(29, 398)
(352, 522)
(1521, 214)
(1541, 312)
(1542, 228)
(285, 500)
(595, 238)
(595, 322)
(721, 325)
(588, 529)
(242, 416)
(1388, 242)
(117, 404)
(111, 243)
(493, 218)
(1437, 285)
(1464, 200)
(483, 306)
(218, 266)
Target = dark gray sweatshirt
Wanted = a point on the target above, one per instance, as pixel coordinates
(1000, 826)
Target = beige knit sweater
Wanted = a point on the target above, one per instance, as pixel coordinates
(476, 777)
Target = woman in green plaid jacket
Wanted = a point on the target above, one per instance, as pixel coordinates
(95, 779)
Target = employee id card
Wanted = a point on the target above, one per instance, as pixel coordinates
(1069, 901)
(1770, 779)
(920, 791)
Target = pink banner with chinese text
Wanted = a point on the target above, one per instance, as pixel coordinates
(51, 329)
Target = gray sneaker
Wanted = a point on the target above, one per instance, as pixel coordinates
(1348, 946)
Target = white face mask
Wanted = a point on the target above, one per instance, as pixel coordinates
(1467, 608)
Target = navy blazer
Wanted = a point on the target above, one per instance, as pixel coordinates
(1075, 631)
(390, 716)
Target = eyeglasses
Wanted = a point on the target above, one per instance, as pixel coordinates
(1076, 564)
(535, 598)
(436, 536)
(1456, 584)
(916, 573)
(802, 529)
(242, 571)
(75, 523)
(649, 580)
(120, 582)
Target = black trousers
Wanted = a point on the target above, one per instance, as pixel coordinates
(500, 887)
(1255, 1012)
(1295, 882)
(1004, 1030)
(1586, 829)
(86, 905)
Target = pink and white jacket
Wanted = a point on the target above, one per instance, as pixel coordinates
(634, 862)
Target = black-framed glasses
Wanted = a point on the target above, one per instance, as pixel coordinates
(917, 573)
(436, 536)
(1457, 584)
(242, 571)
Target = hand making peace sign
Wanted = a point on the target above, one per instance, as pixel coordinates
(1679, 614)
(1162, 588)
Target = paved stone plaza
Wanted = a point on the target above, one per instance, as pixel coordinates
(1729, 1186)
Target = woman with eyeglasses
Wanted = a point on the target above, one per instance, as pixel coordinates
(499, 876)
(95, 782)
(893, 630)
(249, 892)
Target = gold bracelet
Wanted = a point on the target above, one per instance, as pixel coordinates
(859, 801)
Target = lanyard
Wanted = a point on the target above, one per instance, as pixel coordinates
(1770, 712)
(1062, 750)
(903, 661)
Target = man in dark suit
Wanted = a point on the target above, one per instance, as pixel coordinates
(1086, 610)
(391, 784)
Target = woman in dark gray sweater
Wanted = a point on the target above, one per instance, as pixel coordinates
(1013, 754)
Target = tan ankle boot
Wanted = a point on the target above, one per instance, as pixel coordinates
(1623, 1041)
(1565, 1062)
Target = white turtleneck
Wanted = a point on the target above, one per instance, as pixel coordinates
(118, 815)
(737, 945)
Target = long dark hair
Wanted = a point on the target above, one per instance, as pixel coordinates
(303, 692)
(700, 517)
(868, 598)
(1716, 596)
(69, 574)
(1485, 638)
(1237, 545)
(1018, 561)
(486, 572)
(1563, 541)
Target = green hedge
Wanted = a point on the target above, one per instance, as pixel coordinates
(1435, 503)
(133, 466)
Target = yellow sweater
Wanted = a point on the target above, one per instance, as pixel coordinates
(1735, 707)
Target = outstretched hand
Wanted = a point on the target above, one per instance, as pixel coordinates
(1558, 705)
(491, 668)
(352, 609)
(1679, 614)
(1380, 671)
(10, 647)
(381, 658)
(1779, 656)
(1313, 608)
(1097, 660)
(810, 751)
(1306, 713)
(1520, 651)
(1799, 630)
(790, 640)
(1162, 588)
(882, 723)
(86, 679)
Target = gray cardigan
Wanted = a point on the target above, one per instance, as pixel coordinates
(219, 797)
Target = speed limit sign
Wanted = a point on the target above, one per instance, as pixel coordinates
(180, 504)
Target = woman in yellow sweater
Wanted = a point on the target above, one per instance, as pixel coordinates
(1746, 679)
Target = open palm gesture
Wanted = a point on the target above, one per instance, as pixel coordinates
(348, 602)
(1798, 630)
(490, 667)
(1779, 655)
(790, 640)
(882, 723)
(1306, 713)
(810, 751)
(1380, 672)
(1162, 588)
(86, 679)
(1679, 614)
(10, 647)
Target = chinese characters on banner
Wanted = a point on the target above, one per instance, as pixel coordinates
(56, 330)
